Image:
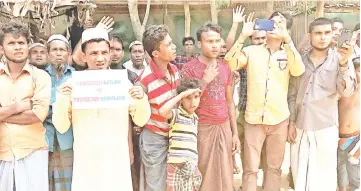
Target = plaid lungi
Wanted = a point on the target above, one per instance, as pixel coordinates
(60, 168)
(187, 178)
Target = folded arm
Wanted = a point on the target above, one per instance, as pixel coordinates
(40, 103)
(24, 118)
(6, 112)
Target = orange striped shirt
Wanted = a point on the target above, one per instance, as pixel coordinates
(160, 88)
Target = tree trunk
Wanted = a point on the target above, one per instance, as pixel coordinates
(270, 8)
(320, 9)
(214, 11)
(138, 27)
(187, 20)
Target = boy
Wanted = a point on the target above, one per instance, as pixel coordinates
(349, 133)
(182, 171)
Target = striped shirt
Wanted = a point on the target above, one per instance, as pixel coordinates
(183, 137)
(160, 88)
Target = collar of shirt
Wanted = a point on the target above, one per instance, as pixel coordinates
(27, 67)
(68, 68)
(282, 47)
(157, 72)
(329, 52)
(194, 115)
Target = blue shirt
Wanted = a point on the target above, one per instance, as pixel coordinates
(65, 140)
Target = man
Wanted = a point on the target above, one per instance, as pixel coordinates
(102, 141)
(217, 128)
(137, 62)
(38, 55)
(313, 96)
(105, 23)
(159, 80)
(136, 65)
(348, 154)
(188, 52)
(60, 145)
(270, 67)
(24, 104)
(116, 52)
(257, 38)
(337, 29)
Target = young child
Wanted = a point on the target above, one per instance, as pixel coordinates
(182, 171)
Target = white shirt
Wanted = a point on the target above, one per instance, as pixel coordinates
(129, 65)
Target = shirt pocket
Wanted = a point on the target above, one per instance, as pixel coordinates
(328, 79)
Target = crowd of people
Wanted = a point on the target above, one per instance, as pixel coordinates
(180, 131)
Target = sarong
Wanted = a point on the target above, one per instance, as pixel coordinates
(153, 169)
(314, 159)
(60, 168)
(27, 174)
(215, 156)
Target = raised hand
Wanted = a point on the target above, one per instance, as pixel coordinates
(190, 92)
(238, 16)
(106, 23)
(282, 27)
(248, 26)
(210, 73)
(345, 51)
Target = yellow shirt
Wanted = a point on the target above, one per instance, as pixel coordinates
(267, 80)
(31, 84)
(101, 152)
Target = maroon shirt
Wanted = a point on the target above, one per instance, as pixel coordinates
(213, 107)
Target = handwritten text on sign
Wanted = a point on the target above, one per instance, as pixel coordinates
(100, 89)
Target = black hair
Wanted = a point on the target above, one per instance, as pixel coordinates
(208, 27)
(117, 38)
(14, 29)
(337, 20)
(185, 39)
(289, 19)
(318, 22)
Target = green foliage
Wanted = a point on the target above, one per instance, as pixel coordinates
(222, 4)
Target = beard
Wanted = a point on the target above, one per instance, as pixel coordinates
(58, 70)
(320, 48)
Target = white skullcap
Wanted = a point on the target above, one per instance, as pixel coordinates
(137, 42)
(58, 37)
(94, 33)
(35, 45)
